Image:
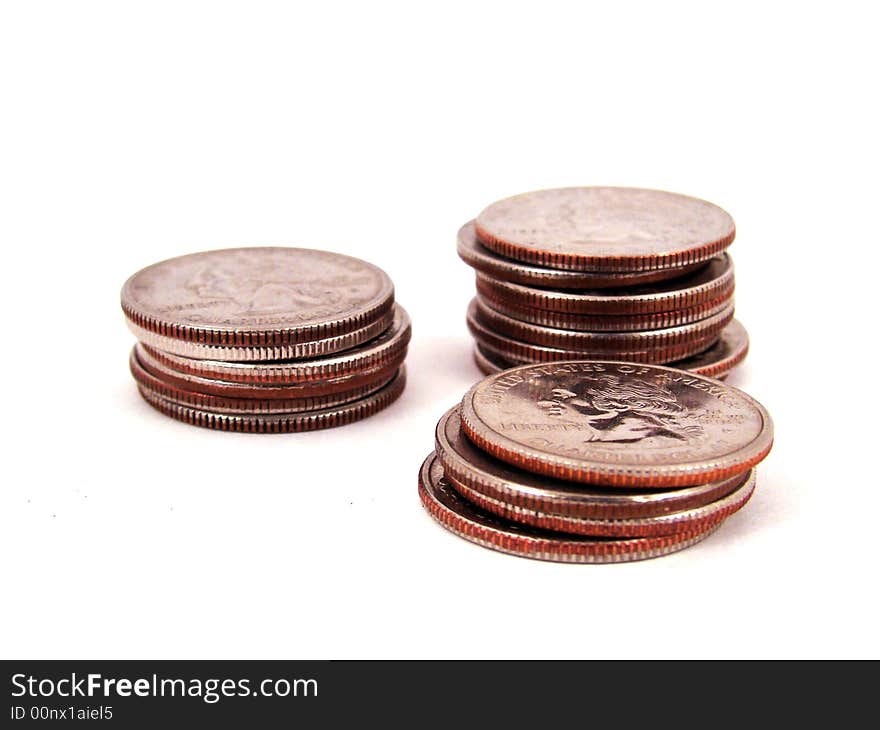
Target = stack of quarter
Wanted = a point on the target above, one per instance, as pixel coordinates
(594, 462)
(603, 273)
(266, 340)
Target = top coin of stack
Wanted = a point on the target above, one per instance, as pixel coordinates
(603, 273)
(266, 339)
(593, 462)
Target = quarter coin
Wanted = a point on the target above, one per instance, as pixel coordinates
(470, 522)
(258, 298)
(605, 229)
(685, 521)
(521, 495)
(281, 423)
(387, 349)
(715, 362)
(248, 404)
(618, 342)
(473, 253)
(617, 424)
(606, 322)
(520, 351)
(710, 283)
(241, 353)
(155, 365)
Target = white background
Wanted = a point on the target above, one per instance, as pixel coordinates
(133, 132)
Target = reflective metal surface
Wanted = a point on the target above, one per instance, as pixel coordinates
(251, 400)
(606, 322)
(617, 424)
(388, 349)
(716, 362)
(281, 423)
(668, 338)
(473, 253)
(605, 229)
(241, 353)
(520, 492)
(470, 522)
(518, 350)
(710, 283)
(257, 297)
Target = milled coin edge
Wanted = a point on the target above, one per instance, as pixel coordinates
(565, 550)
(305, 350)
(579, 503)
(362, 360)
(294, 423)
(258, 337)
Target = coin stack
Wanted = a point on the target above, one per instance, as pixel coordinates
(603, 273)
(266, 340)
(594, 462)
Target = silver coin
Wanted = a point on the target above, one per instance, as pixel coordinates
(606, 322)
(473, 253)
(252, 403)
(470, 522)
(708, 284)
(672, 524)
(605, 229)
(475, 473)
(281, 423)
(519, 351)
(257, 297)
(715, 362)
(619, 342)
(388, 349)
(262, 391)
(303, 350)
(617, 424)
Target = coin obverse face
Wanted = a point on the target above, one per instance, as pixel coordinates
(605, 228)
(617, 424)
(217, 296)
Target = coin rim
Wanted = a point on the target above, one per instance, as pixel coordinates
(590, 262)
(248, 405)
(256, 336)
(545, 354)
(583, 302)
(563, 339)
(369, 357)
(565, 549)
(484, 363)
(619, 474)
(578, 501)
(718, 370)
(483, 259)
(237, 389)
(722, 367)
(672, 523)
(292, 423)
(304, 350)
(606, 322)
